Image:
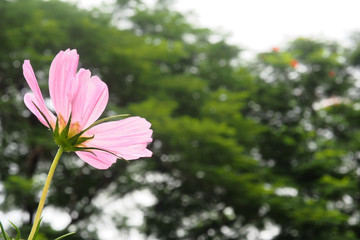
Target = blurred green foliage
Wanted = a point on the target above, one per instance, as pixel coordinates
(238, 145)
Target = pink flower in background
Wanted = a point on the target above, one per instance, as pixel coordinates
(294, 63)
(332, 73)
(275, 49)
(79, 100)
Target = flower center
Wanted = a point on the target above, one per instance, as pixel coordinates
(69, 135)
(74, 127)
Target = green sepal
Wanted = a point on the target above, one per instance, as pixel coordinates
(56, 130)
(83, 139)
(107, 119)
(62, 139)
(76, 139)
(43, 115)
(63, 236)
(18, 233)
(69, 143)
(65, 132)
(86, 149)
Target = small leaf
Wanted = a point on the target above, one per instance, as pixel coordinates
(4, 234)
(63, 236)
(18, 233)
(37, 230)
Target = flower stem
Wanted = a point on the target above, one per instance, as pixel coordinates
(44, 193)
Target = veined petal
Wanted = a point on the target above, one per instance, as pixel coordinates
(30, 100)
(37, 97)
(97, 159)
(126, 138)
(90, 99)
(62, 73)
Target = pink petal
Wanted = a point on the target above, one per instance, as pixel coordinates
(101, 159)
(126, 138)
(37, 97)
(90, 98)
(62, 73)
(30, 100)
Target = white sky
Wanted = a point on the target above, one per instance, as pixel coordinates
(259, 25)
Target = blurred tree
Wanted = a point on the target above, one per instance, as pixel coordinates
(311, 167)
(238, 147)
(167, 72)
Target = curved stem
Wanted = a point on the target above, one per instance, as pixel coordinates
(44, 193)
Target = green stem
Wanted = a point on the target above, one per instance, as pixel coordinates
(44, 193)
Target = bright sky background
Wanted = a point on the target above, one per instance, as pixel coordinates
(258, 25)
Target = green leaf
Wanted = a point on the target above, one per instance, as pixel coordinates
(18, 233)
(63, 236)
(4, 234)
(37, 229)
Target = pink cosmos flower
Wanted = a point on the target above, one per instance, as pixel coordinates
(79, 100)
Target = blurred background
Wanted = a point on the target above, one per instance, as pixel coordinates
(252, 139)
